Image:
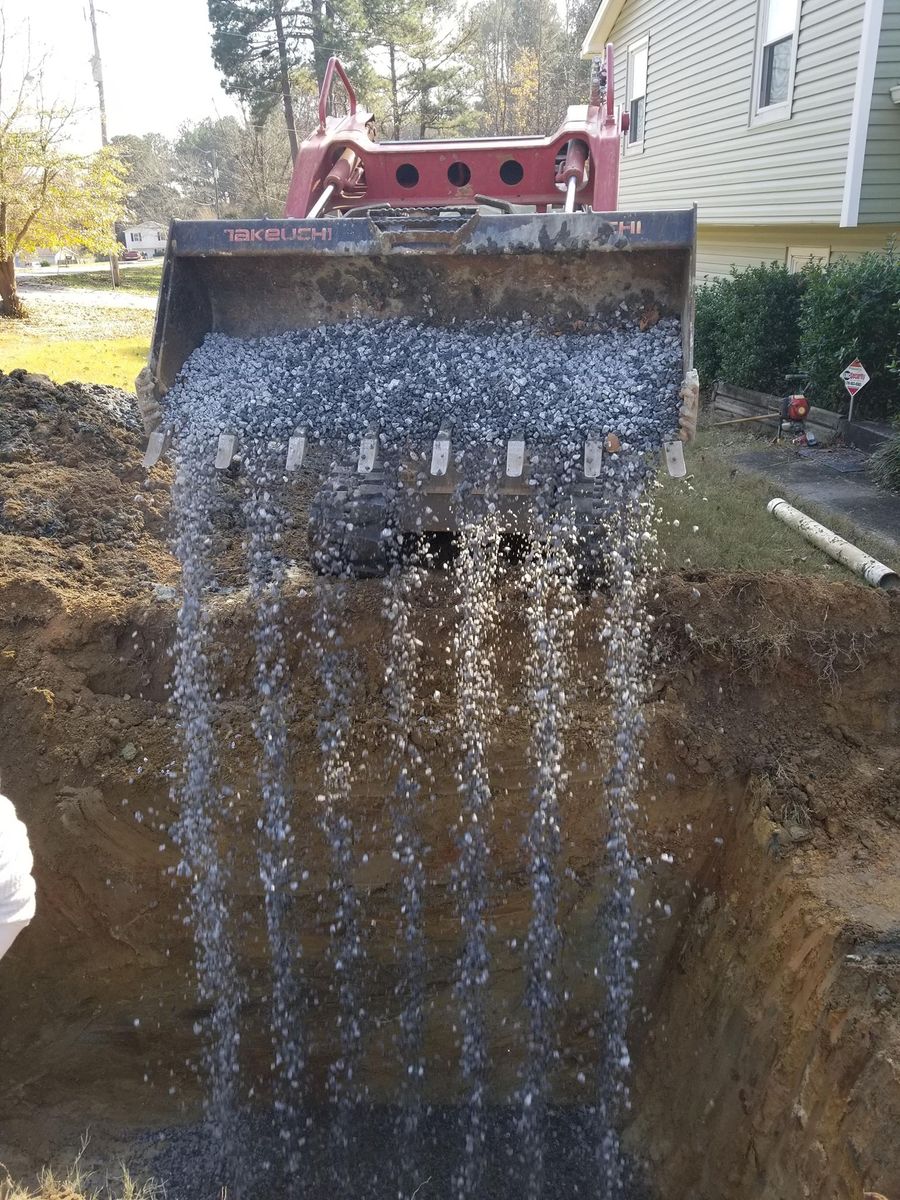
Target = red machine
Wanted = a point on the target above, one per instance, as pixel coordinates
(341, 167)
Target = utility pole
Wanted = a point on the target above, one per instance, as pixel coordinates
(216, 181)
(97, 70)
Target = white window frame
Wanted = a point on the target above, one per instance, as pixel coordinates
(763, 114)
(629, 146)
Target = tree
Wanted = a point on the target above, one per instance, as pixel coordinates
(256, 46)
(48, 197)
(519, 53)
(259, 45)
(206, 166)
(424, 87)
(153, 194)
(227, 167)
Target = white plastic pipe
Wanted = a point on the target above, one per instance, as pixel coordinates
(871, 570)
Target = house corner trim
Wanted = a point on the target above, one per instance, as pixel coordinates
(862, 104)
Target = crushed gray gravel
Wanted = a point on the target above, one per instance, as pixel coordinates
(406, 378)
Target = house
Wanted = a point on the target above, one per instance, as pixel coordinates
(148, 238)
(776, 117)
(45, 257)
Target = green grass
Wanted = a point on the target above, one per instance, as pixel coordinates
(114, 361)
(142, 279)
(716, 518)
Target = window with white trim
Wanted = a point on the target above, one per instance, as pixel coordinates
(776, 57)
(636, 92)
(137, 237)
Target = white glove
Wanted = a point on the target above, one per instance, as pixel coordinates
(16, 881)
(690, 407)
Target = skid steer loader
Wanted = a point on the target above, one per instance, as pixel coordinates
(487, 229)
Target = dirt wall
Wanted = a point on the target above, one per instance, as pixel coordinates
(765, 1028)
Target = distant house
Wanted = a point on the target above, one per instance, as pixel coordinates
(52, 258)
(148, 238)
(779, 118)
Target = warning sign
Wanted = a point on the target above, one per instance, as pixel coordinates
(855, 377)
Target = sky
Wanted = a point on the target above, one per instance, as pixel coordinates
(157, 66)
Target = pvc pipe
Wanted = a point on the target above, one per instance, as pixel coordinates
(862, 564)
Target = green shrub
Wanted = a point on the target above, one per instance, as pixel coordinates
(747, 328)
(707, 332)
(884, 465)
(849, 311)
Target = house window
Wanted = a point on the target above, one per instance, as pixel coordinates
(636, 92)
(136, 237)
(776, 56)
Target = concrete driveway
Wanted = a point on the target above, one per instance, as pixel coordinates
(834, 480)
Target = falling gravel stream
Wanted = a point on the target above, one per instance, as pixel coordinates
(406, 381)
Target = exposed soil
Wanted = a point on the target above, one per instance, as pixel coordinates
(766, 1031)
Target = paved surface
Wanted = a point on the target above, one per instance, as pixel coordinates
(833, 480)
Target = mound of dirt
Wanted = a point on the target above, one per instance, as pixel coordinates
(78, 514)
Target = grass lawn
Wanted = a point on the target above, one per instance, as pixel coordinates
(716, 518)
(114, 361)
(141, 279)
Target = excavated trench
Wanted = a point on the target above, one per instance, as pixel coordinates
(765, 1033)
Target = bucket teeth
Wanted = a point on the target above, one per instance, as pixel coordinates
(440, 451)
(674, 452)
(225, 450)
(593, 457)
(515, 457)
(157, 445)
(368, 452)
(296, 450)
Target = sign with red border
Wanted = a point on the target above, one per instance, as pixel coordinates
(855, 377)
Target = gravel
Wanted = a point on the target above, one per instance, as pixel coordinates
(406, 378)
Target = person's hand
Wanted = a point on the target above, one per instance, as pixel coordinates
(690, 407)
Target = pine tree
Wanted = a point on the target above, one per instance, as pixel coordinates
(260, 45)
(519, 52)
(416, 44)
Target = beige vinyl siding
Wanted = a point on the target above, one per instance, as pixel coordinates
(699, 143)
(719, 247)
(879, 198)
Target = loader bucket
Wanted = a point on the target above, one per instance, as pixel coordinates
(251, 278)
(565, 271)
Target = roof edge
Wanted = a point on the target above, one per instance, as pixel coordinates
(598, 33)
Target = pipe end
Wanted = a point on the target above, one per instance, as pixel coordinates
(773, 504)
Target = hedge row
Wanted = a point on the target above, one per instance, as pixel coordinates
(759, 325)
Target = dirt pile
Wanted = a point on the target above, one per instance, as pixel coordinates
(78, 514)
(766, 1026)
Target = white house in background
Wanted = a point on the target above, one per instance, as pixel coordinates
(148, 239)
(53, 258)
(780, 119)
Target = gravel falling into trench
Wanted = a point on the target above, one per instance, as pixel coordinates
(413, 378)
